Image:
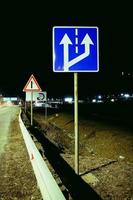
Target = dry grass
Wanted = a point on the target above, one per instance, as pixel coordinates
(104, 150)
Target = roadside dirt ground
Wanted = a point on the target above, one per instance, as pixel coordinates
(105, 153)
(17, 180)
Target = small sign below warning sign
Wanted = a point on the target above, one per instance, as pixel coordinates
(37, 96)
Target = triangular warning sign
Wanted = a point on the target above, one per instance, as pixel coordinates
(32, 85)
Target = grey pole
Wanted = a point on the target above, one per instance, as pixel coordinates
(31, 108)
(46, 108)
(76, 123)
(25, 105)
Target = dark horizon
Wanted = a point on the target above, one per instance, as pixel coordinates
(26, 48)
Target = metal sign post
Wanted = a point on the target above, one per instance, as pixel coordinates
(76, 129)
(31, 108)
(46, 108)
(75, 49)
(25, 106)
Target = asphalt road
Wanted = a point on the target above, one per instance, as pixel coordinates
(7, 114)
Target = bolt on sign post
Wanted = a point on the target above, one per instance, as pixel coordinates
(75, 49)
(32, 86)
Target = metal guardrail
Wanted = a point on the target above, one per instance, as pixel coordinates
(48, 187)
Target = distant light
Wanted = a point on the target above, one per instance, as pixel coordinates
(39, 104)
(13, 98)
(20, 103)
(99, 101)
(80, 101)
(99, 97)
(93, 100)
(112, 100)
(126, 95)
(6, 99)
(122, 73)
(122, 94)
(68, 99)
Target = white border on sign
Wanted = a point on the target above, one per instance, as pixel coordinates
(97, 48)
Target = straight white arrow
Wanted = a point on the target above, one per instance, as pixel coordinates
(66, 42)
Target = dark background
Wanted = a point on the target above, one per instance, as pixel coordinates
(26, 46)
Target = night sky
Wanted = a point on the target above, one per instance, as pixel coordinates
(26, 47)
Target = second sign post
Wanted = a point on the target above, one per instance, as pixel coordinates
(32, 86)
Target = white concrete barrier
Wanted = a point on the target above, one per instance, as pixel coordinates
(46, 182)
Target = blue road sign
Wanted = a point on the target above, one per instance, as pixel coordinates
(75, 49)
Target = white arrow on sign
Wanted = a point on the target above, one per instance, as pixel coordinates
(66, 42)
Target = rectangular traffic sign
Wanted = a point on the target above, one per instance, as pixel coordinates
(75, 49)
(37, 96)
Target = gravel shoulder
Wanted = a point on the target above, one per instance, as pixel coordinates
(17, 180)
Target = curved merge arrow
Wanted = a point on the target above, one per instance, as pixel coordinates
(66, 42)
(87, 42)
